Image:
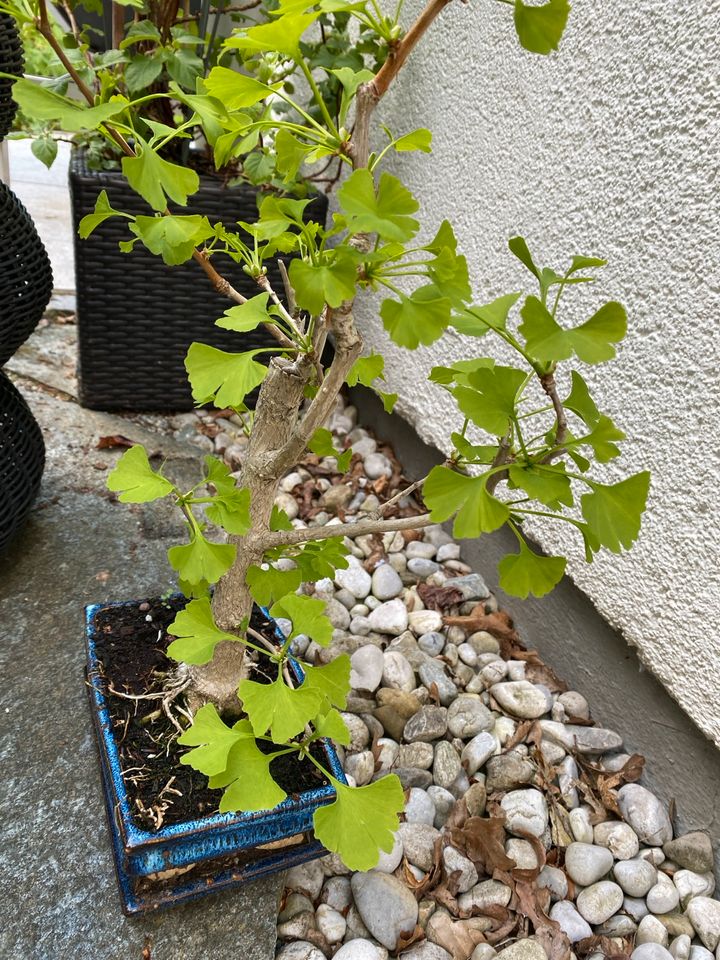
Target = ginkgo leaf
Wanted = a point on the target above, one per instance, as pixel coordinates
(247, 779)
(137, 480)
(591, 341)
(41, 103)
(212, 739)
(420, 139)
(540, 27)
(279, 36)
(580, 401)
(102, 212)
(332, 726)
(331, 680)
(528, 572)
(235, 90)
(230, 509)
(156, 179)
(284, 711)
(173, 238)
(330, 282)
(385, 211)
(476, 511)
(489, 400)
(246, 316)
(365, 370)
(223, 378)
(548, 484)
(477, 320)
(361, 821)
(321, 558)
(269, 585)
(613, 511)
(200, 560)
(422, 317)
(307, 615)
(322, 444)
(197, 633)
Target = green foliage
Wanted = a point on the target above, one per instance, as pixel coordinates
(592, 341)
(197, 634)
(322, 444)
(201, 561)
(282, 710)
(307, 615)
(476, 511)
(361, 821)
(41, 103)
(539, 28)
(137, 480)
(528, 572)
(384, 210)
(420, 318)
(613, 511)
(157, 180)
(221, 378)
(102, 212)
(173, 238)
(230, 757)
(246, 316)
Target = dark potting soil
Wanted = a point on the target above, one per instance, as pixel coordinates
(131, 644)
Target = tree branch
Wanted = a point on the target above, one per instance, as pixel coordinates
(502, 456)
(358, 529)
(370, 94)
(561, 424)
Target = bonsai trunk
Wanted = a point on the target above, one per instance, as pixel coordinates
(276, 414)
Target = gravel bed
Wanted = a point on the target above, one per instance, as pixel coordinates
(526, 833)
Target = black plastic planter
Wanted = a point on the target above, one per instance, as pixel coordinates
(221, 850)
(136, 316)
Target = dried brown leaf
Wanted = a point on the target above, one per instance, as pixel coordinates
(116, 440)
(439, 598)
(483, 840)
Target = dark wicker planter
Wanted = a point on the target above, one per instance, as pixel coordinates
(25, 275)
(22, 458)
(136, 316)
(11, 61)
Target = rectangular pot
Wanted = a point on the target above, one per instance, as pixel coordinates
(263, 842)
(136, 317)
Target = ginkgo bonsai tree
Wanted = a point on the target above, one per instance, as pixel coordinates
(528, 433)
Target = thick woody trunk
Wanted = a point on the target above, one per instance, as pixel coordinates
(276, 415)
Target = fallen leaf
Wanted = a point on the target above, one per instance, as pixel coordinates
(116, 440)
(406, 939)
(483, 840)
(439, 598)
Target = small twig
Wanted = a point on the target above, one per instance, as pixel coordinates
(358, 529)
(561, 425)
(502, 456)
(289, 292)
(263, 640)
(384, 507)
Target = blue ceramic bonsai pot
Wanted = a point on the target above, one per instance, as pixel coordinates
(187, 860)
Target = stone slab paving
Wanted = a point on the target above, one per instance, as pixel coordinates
(57, 885)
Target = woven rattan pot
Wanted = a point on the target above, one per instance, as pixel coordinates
(136, 316)
(11, 61)
(22, 458)
(25, 275)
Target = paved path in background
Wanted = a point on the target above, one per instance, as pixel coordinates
(57, 885)
(45, 194)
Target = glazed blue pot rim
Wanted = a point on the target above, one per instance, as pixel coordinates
(135, 836)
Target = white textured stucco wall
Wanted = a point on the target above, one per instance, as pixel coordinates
(609, 147)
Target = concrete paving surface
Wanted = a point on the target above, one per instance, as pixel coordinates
(57, 885)
(45, 196)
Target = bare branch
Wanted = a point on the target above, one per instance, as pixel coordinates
(358, 529)
(502, 456)
(561, 424)
(384, 507)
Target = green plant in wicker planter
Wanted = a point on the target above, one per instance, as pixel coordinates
(528, 435)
